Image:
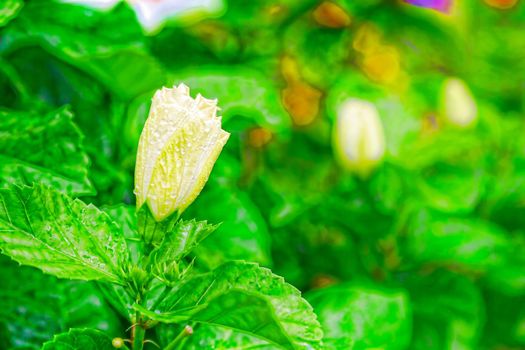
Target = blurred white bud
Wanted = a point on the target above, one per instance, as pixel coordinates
(97, 4)
(178, 147)
(459, 106)
(152, 14)
(358, 136)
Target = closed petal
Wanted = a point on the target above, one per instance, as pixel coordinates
(184, 166)
(171, 109)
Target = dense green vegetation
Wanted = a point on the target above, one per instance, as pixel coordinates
(418, 242)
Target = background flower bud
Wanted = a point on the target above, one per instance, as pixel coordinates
(153, 14)
(458, 103)
(358, 136)
(178, 147)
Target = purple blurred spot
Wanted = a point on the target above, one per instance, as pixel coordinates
(439, 5)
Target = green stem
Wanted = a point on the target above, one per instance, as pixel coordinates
(138, 332)
(138, 337)
(153, 231)
(186, 331)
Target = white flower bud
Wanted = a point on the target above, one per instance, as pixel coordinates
(358, 137)
(459, 106)
(96, 4)
(152, 14)
(178, 147)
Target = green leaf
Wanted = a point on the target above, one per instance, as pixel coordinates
(87, 39)
(80, 339)
(9, 10)
(369, 316)
(120, 298)
(213, 337)
(68, 28)
(244, 297)
(448, 311)
(44, 149)
(180, 241)
(126, 218)
(450, 189)
(438, 238)
(320, 52)
(33, 311)
(505, 326)
(248, 16)
(52, 82)
(83, 305)
(242, 235)
(128, 72)
(447, 146)
(508, 276)
(43, 228)
(30, 312)
(241, 92)
(58, 84)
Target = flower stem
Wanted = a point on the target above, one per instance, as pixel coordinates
(138, 337)
(151, 230)
(137, 332)
(175, 344)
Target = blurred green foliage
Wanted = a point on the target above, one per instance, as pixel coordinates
(428, 252)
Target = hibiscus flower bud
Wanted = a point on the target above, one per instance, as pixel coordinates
(459, 106)
(358, 136)
(178, 147)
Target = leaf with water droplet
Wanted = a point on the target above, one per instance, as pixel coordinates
(76, 245)
(36, 148)
(243, 297)
(178, 243)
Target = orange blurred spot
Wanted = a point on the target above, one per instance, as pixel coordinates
(302, 102)
(382, 65)
(502, 4)
(321, 281)
(367, 39)
(300, 99)
(331, 15)
(259, 137)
